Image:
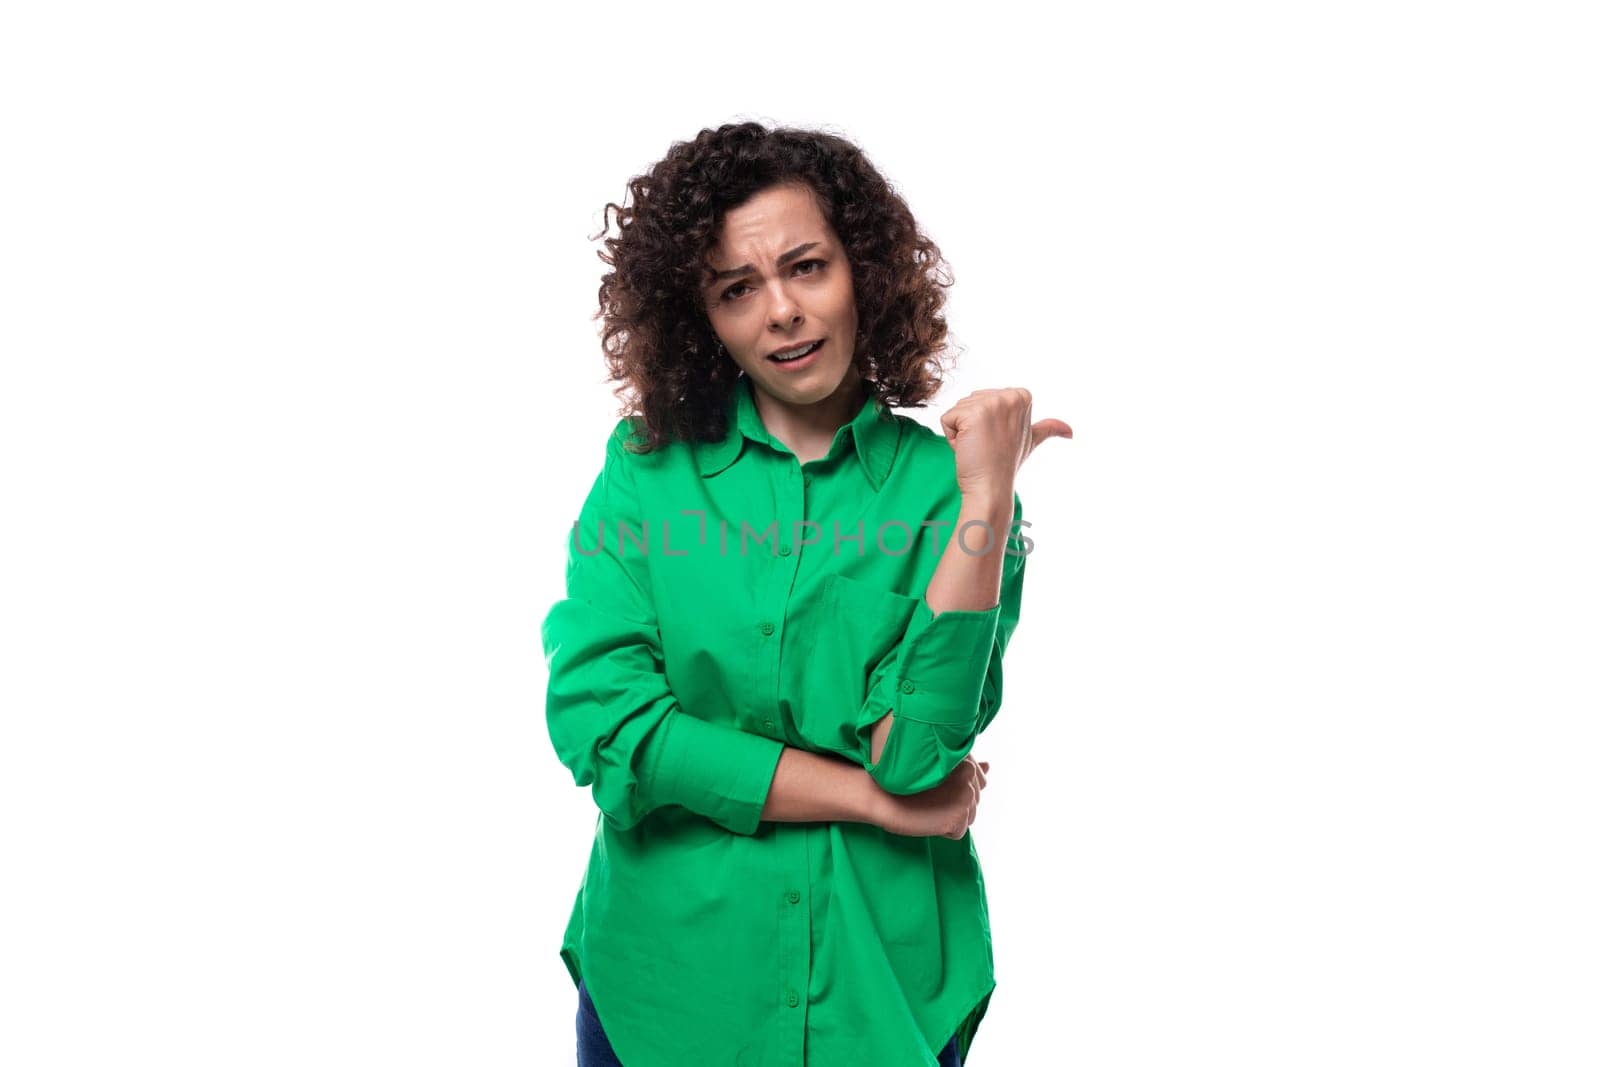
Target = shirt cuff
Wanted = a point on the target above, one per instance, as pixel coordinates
(943, 661)
(720, 771)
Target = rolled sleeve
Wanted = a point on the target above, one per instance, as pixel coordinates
(943, 684)
(943, 663)
(721, 772)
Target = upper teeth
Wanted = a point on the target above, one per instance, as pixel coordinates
(791, 353)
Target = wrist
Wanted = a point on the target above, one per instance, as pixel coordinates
(868, 800)
(993, 512)
(987, 501)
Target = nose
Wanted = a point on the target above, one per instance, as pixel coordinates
(783, 312)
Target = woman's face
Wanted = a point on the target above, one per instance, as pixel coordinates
(783, 279)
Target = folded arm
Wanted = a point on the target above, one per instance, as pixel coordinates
(940, 686)
(613, 720)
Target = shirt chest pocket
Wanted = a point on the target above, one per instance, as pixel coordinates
(858, 625)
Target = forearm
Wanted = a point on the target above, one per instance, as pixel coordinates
(964, 580)
(810, 787)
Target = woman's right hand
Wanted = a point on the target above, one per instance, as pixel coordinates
(992, 431)
(946, 810)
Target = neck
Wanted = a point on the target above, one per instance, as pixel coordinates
(807, 429)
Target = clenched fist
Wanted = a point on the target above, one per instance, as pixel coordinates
(992, 432)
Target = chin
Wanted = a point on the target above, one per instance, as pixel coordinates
(814, 391)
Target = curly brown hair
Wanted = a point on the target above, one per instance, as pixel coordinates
(658, 341)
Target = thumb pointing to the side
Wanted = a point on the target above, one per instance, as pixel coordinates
(1047, 428)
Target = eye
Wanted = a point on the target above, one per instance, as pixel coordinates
(730, 293)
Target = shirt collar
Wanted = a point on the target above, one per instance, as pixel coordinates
(874, 431)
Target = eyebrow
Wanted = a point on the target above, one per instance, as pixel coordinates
(783, 260)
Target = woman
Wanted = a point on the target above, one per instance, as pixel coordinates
(785, 615)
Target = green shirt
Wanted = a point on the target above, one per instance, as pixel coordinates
(706, 626)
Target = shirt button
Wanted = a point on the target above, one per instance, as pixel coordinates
(767, 628)
(785, 550)
(808, 479)
(768, 724)
(794, 896)
(907, 687)
(793, 998)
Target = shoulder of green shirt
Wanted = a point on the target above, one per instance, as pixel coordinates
(921, 445)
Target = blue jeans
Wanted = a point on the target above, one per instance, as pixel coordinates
(594, 1050)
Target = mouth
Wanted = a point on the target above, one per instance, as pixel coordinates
(798, 356)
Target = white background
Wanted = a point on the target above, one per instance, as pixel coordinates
(1297, 763)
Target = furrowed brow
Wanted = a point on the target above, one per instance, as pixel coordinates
(738, 272)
